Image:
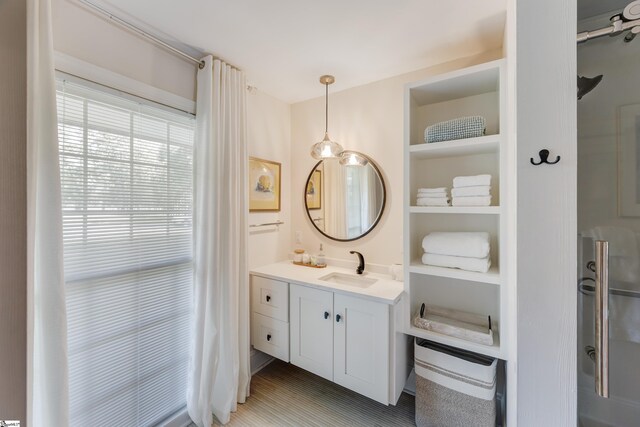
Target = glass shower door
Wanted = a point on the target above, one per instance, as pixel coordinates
(609, 217)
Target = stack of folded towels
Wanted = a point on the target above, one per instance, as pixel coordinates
(471, 190)
(432, 197)
(463, 250)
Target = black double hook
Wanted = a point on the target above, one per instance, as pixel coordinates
(544, 156)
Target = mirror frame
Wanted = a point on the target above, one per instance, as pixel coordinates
(373, 225)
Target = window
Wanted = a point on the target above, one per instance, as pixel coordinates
(127, 190)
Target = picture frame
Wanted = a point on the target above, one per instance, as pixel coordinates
(628, 161)
(264, 185)
(314, 191)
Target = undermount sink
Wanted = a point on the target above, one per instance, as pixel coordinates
(349, 280)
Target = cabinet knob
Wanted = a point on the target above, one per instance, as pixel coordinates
(268, 298)
(338, 318)
(268, 337)
(326, 315)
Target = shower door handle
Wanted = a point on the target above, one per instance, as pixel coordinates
(602, 318)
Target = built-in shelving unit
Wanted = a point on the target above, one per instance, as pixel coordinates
(492, 276)
(480, 210)
(478, 90)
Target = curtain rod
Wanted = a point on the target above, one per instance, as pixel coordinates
(143, 33)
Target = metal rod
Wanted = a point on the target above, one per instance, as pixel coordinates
(143, 33)
(267, 223)
(602, 318)
(614, 28)
(590, 289)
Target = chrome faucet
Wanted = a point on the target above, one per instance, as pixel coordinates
(360, 268)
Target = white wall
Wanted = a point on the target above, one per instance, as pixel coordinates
(269, 133)
(80, 33)
(13, 210)
(369, 119)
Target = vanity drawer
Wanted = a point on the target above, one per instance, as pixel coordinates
(270, 336)
(270, 298)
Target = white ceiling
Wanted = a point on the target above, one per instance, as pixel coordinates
(285, 45)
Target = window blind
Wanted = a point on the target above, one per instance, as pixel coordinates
(127, 190)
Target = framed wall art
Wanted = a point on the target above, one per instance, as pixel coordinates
(264, 185)
(314, 190)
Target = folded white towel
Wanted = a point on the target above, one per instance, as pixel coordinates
(471, 181)
(432, 201)
(435, 196)
(432, 190)
(423, 195)
(476, 190)
(481, 265)
(463, 244)
(472, 201)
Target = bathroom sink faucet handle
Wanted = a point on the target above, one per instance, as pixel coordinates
(360, 268)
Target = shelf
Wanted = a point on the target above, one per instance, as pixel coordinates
(460, 147)
(491, 277)
(492, 351)
(471, 81)
(479, 210)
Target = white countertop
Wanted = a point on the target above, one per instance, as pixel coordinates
(383, 290)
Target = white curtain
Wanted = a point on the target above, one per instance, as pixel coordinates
(368, 197)
(335, 197)
(47, 398)
(220, 367)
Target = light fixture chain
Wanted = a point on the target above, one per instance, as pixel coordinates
(326, 108)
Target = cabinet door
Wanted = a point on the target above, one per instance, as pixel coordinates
(361, 346)
(312, 330)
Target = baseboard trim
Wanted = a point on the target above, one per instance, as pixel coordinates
(179, 419)
(259, 360)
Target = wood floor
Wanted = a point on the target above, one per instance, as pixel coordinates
(285, 395)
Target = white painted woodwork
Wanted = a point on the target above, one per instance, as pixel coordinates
(361, 346)
(477, 90)
(544, 68)
(312, 337)
(270, 336)
(492, 276)
(482, 210)
(311, 333)
(270, 298)
(462, 147)
(270, 316)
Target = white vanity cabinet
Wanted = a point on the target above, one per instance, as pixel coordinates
(351, 335)
(270, 316)
(342, 338)
(312, 330)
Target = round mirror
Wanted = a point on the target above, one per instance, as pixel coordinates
(344, 202)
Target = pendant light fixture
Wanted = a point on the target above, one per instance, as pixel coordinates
(326, 149)
(352, 158)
